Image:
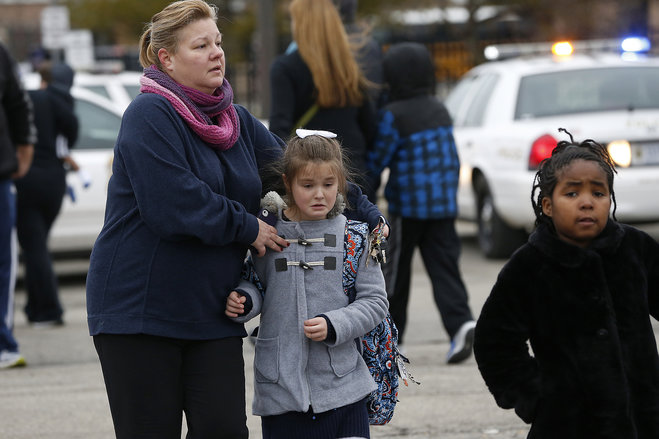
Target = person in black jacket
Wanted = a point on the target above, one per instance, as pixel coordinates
(415, 141)
(41, 191)
(321, 70)
(580, 292)
(368, 51)
(17, 136)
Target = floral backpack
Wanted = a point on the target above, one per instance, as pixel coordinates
(379, 345)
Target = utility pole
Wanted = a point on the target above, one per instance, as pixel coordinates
(266, 40)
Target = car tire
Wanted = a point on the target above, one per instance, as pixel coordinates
(496, 239)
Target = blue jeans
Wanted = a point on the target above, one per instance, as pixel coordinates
(8, 264)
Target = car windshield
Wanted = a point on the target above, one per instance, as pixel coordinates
(587, 90)
(99, 89)
(98, 126)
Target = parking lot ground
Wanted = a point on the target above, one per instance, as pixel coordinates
(61, 395)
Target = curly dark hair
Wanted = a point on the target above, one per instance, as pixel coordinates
(564, 154)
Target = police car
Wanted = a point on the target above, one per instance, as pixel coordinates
(121, 87)
(507, 113)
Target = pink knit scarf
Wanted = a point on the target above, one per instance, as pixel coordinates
(198, 109)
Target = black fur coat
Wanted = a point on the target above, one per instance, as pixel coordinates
(594, 368)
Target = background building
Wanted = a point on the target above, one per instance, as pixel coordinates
(456, 31)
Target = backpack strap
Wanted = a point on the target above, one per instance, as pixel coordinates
(306, 117)
(356, 237)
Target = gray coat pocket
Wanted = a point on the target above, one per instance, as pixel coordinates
(266, 360)
(343, 358)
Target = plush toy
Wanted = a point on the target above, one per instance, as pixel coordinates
(270, 205)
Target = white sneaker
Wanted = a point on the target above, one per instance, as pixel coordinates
(462, 343)
(47, 324)
(11, 359)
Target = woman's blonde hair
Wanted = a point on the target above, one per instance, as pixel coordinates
(163, 30)
(324, 46)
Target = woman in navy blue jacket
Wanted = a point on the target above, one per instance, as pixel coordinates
(179, 219)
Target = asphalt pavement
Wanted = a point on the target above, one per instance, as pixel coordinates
(60, 394)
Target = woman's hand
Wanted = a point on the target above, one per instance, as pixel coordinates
(268, 237)
(235, 304)
(316, 328)
(24, 155)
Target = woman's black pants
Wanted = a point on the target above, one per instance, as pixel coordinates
(151, 381)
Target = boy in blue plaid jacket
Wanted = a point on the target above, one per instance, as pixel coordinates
(415, 141)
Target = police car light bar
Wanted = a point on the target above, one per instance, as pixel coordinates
(503, 51)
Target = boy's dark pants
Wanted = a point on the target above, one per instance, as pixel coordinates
(440, 248)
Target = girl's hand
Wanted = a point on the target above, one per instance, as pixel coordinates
(235, 304)
(268, 237)
(385, 231)
(316, 328)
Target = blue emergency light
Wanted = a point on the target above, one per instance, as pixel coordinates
(635, 45)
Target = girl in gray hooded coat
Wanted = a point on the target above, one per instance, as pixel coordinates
(309, 377)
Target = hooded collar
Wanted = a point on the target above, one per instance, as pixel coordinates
(545, 239)
(409, 71)
(62, 77)
(273, 206)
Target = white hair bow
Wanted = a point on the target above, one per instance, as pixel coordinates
(301, 133)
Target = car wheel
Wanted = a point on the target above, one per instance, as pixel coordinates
(495, 238)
